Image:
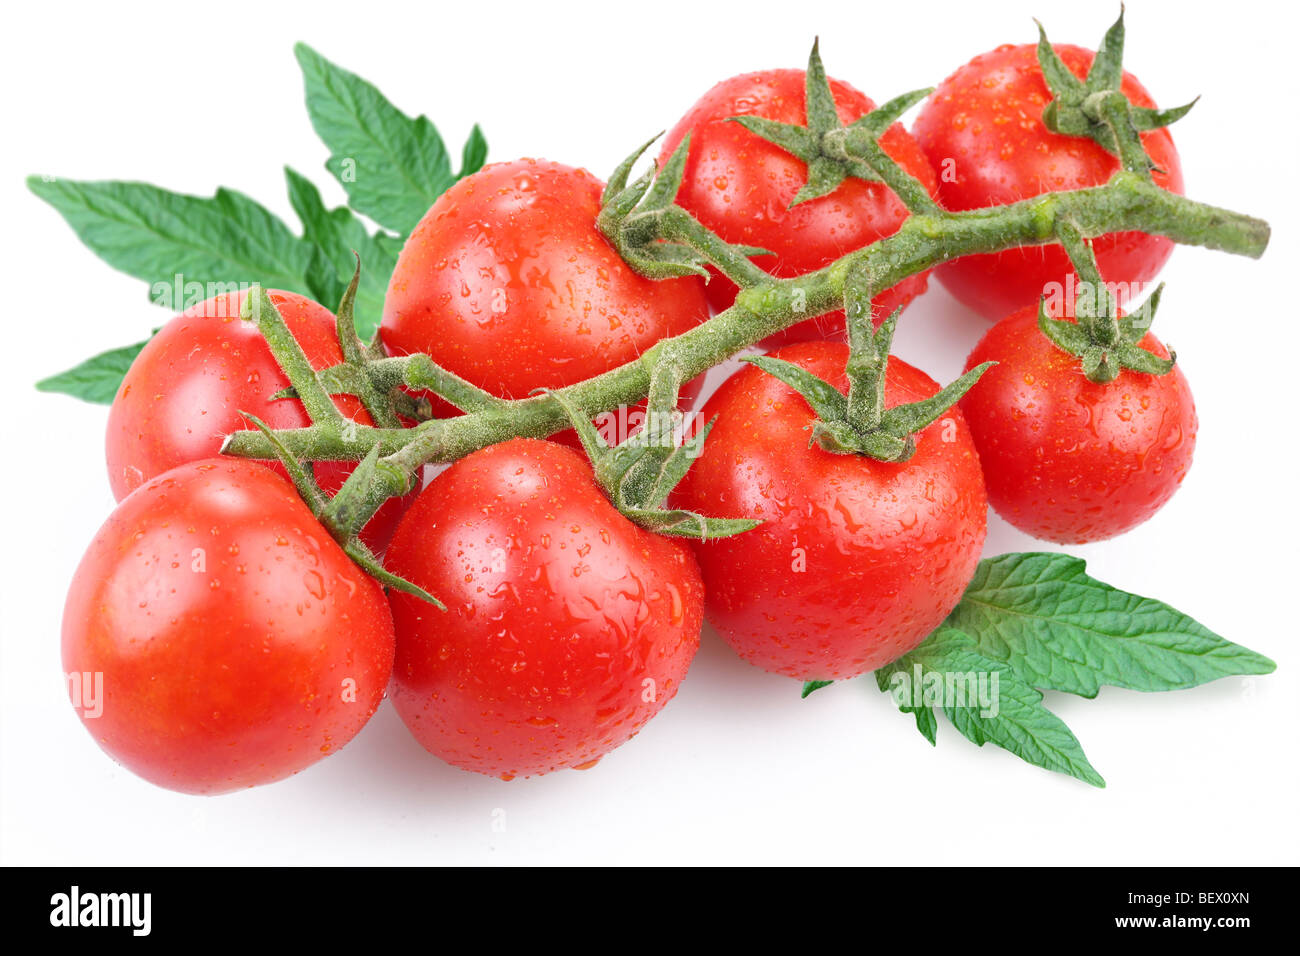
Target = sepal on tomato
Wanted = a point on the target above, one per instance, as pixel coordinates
(1095, 108)
(834, 152)
(339, 515)
(859, 423)
(640, 473)
(301, 474)
(825, 171)
(1105, 342)
(1102, 360)
(636, 217)
(373, 480)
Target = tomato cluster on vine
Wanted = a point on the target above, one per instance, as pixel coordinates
(239, 642)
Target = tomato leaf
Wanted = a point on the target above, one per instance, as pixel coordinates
(927, 723)
(186, 247)
(190, 248)
(985, 700)
(338, 233)
(810, 686)
(1059, 629)
(474, 153)
(1037, 621)
(392, 166)
(97, 378)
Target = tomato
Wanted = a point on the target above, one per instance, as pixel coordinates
(223, 637)
(567, 626)
(857, 560)
(741, 186)
(507, 282)
(186, 389)
(983, 132)
(1070, 460)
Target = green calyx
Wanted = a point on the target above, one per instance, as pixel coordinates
(1095, 108)
(1105, 342)
(658, 238)
(860, 423)
(1102, 361)
(639, 473)
(374, 479)
(834, 152)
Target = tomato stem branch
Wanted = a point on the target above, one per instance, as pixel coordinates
(259, 308)
(1113, 108)
(764, 306)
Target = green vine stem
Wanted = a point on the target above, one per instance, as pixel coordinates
(1129, 201)
(1112, 108)
(659, 240)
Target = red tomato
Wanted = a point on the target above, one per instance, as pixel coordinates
(567, 626)
(984, 134)
(226, 640)
(185, 390)
(857, 560)
(1070, 460)
(507, 282)
(741, 186)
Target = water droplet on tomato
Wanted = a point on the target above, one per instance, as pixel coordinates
(314, 584)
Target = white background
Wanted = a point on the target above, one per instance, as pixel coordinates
(737, 769)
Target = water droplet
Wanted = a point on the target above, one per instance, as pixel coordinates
(315, 584)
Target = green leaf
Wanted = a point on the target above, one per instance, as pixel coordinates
(986, 701)
(338, 233)
(1059, 629)
(392, 166)
(809, 686)
(474, 153)
(213, 244)
(927, 724)
(98, 378)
